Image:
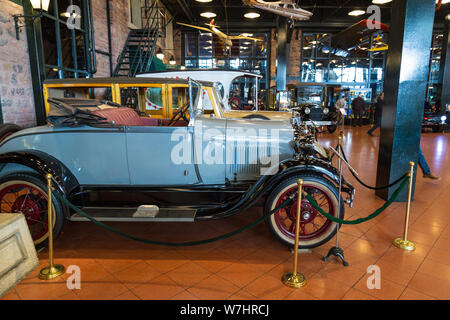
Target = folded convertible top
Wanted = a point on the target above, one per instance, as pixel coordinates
(72, 112)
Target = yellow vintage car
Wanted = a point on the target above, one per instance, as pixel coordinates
(159, 98)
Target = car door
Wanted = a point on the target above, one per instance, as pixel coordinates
(161, 155)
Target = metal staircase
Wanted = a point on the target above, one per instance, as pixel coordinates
(137, 53)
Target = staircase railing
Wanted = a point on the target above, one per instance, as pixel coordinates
(138, 52)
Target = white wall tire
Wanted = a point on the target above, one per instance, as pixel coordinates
(315, 229)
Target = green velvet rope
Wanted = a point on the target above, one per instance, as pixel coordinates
(247, 227)
(375, 214)
(172, 244)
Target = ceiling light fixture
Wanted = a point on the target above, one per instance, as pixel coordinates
(208, 14)
(380, 1)
(356, 13)
(252, 15)
(203, 1)
(70, 15)
(40, 4)
(160, 54)
(247, 34)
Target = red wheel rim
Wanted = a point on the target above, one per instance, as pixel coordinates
(312, 223)
(32, 202)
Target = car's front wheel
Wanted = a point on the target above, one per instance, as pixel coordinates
(315, 229)
(25, 193)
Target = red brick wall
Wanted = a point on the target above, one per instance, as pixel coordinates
(295, 53)
(273, 58)
(119, 32)
(16, 92)
(294, 57)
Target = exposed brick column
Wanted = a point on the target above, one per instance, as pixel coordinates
(119, 31)
(16, 92)
(294, 57)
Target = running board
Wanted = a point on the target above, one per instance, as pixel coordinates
(129, 215)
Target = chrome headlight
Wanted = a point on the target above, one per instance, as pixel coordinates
(307, 110)
(326, 111)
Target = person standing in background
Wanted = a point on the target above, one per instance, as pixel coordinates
(341, 104)
(378, 111)
(358, 110)
(425, 167)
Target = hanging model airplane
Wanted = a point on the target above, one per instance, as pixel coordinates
(378, 44)
(225, 38)
(285, 8)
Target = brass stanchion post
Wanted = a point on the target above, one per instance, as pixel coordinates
(295, 279)
(404, 243)
(53, 270)
(336, 250)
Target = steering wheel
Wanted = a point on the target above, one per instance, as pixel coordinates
(235, 103)
(180, 114)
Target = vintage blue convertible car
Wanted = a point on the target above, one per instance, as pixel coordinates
(118, 166)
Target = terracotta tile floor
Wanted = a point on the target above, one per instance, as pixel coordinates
(250, 265)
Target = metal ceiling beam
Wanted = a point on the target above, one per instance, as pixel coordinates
(186, 10)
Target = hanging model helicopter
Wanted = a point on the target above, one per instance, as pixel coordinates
(285, 8)
(225, 38)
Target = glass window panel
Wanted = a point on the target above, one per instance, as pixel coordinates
(245, 48)
(190, 40)
(51, 73)
(80, 50)
(246, 64)
(191, 63)
(154, 101)
(49, 41)
(66, 47)
(308, 71)
(205, 63)
(219, 63)
(309, 46)
(180, 97)
(321, 68)
(205, 45)
(260, 46)
(362, 70)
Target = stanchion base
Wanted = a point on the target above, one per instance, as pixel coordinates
(294, 281)
(404, 244)
(48, 273)
(337, 252)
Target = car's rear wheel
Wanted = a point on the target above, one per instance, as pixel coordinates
(256, 116)
(8, 129)
(26, 193)
(315, 229)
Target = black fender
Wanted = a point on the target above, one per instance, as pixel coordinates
(268, 182)
(44, 164)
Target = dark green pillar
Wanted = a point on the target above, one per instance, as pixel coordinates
(282, 53)
(405, 87)
(445, 68)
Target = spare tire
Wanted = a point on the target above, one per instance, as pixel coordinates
(256, 116)
(8, 129)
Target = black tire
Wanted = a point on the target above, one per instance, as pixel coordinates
(40, 187)
(8, 129)
(329, 227)
(256, 116)
(332, 128)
